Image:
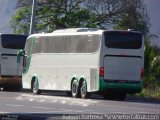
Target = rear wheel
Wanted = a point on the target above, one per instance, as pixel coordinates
(35, 86)
(19, 88)
(69, 93)
(13, 88)
(74, 89)
(6, 88)
(83, 90)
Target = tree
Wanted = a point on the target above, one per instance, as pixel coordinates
(134, 17)
(53, 14)
(21, 21)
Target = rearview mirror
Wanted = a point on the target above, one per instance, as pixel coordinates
(20, 54)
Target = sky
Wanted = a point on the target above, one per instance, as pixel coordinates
(7, 10)
(153, 8)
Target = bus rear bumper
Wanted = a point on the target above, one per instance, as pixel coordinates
(126, 87)
(10, 81)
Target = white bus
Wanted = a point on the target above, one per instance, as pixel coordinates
(10, 70)
(84, 60)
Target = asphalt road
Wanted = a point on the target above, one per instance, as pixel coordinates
(53, 104)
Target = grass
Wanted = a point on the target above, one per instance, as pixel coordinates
(154, 93)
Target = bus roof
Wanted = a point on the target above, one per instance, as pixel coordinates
(12, 34)
(76, 31)
(72, 30)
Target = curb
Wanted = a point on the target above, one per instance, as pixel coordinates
(145, 99)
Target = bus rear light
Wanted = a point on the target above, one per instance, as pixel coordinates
(142, 73)
(101, 72)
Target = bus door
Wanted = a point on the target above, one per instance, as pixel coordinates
(123, 60)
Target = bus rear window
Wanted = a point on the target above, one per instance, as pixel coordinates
(12, 41)
(123, 40)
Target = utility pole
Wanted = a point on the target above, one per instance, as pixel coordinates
(32, 24)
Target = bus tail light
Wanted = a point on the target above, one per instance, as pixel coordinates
(101, 71)
(142, 73)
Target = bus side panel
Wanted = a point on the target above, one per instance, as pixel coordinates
(55, 71)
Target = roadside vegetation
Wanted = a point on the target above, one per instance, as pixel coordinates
(151, 84)
(103, 14)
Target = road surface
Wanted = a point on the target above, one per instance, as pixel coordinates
(54, 103)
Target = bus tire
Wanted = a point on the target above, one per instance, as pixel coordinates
(35, 86)
(69, 93)
(83, 90)
(18, 88)
(75, 89)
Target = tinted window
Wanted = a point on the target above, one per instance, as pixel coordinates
(12, 41)
(67, 44)
(123, 40)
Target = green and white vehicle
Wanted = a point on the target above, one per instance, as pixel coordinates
(82, 61)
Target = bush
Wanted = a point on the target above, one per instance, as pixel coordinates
(151, 83)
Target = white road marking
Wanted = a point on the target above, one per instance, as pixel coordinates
(69, 110)
(58, 99)
(85, 105)
(41, 100)
(2, 112)
(37, 107)
(42, 107)
(63, 102)
(54, 101)
(31, 99)
(14, 105)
